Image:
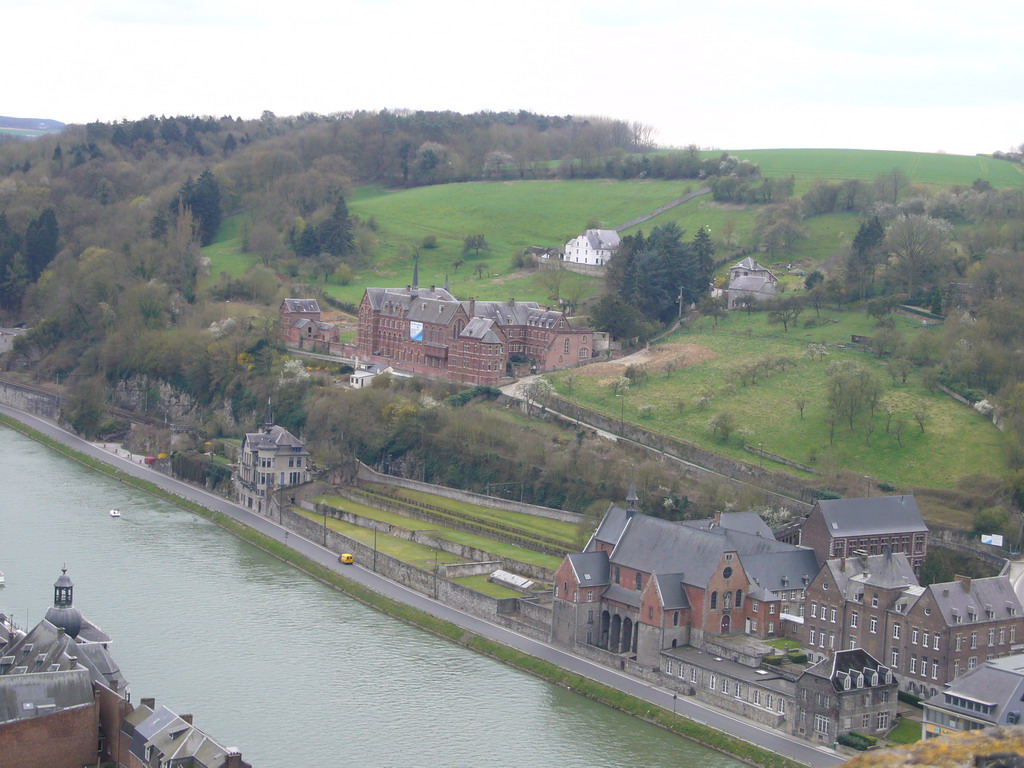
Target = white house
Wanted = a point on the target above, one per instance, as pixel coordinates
(750, 281)
(594, 247)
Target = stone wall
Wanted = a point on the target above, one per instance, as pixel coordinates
(368, 475)
(31, 400)
(425, 538)
(430, 583)
(779, 489)
(964, 543)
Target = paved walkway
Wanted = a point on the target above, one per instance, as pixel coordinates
(768, 738)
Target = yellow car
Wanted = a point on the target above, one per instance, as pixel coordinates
(346, 558)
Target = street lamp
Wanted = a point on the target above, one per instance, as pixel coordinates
(674, 697)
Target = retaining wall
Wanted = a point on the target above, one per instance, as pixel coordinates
(31, 400)
(779, 489)
(368, 475)
(963, 543)
(465, 551)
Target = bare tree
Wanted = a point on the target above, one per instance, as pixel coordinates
(801, 403)
(915, 243)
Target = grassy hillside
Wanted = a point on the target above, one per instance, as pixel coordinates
(955, 442)
(920, 167)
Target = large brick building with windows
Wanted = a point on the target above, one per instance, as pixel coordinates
(928, 635)
(428, 331)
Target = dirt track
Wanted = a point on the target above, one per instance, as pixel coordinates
(679, 354)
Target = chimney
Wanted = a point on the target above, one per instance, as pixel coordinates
(151, 703)
(187, 718)
(433, 288)
(716, 522)
(842, 563)
(965, 581)
(472, 307)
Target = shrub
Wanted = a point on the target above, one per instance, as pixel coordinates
(909, 698)
(773, 659)
(871, 740)
(429, 242)
(797, 657)
(646, 411)
(821, 493)
(853, 740)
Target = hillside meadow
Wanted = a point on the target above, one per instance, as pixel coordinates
(705, 361)
(920, 167)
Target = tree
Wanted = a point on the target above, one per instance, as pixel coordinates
(785, 311)
(474, 243)
(481, 268)
(889, 185)
(723, 424)
(712, 307)
(851, 389)
(457, 263)
(915, 242)
(704, 250)
(41, 242)
(335, 233)
(865, 254)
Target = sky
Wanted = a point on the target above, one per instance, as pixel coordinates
(900, 74)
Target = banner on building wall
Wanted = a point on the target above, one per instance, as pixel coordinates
(994, 539)
(415, 331)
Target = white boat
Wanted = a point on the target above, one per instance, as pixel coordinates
(115, 513)
(1, 578)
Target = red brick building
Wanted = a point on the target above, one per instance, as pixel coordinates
(644, 584)
(844, 527)
(430, 332)
(301, 325)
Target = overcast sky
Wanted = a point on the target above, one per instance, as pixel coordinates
(898, 74)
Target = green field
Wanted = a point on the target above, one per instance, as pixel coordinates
(225, 252)
(920, 167)
(956, 441)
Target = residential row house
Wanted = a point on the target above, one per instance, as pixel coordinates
(269, 462)
(928, 635)
(429, 332)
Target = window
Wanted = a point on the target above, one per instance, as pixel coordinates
(769, 701)
(914, 633)
(1013, 634)
(832, 616)
(693, 674)
(814, 610)
(831, 639)
(865, 721)
(590, 595)
(974, 640)
(668, 667)
(824, 586)
(895, 658)
(896, 631)
(821, 724)
(1002, 635)
(935, 670)
(712, 681)
(853, 619)
(874, 600)
(714, 600)
(972, 662)
(771, 627)
(913, 664)
(727, 572)
(639, 582)
(956, 668)
(771, 609)
(991, 637)
(757, 697)
(883, 721)
(739, 598)
(566, 346)
(725, 686)
(754, 604)
(618, 574)
(811, 635)
(650, 612)
(782, 706)
(873, 625)
(565, 589)
(675, 618)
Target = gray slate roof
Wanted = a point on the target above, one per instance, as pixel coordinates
(752, 284)
(660, 546)
(887, 571)
(994, 593)
(427, 309)
(603, 239)
(403, 297)
(482, 330)
(591, 568)
(275, 438)
(670, 587)
(176, 740)
(997, 682)
(301, 305)
(844, 663)
(622, 595)
(748, 522)
(778, 571)
(873, 516)
(611, 526)
(513, 312)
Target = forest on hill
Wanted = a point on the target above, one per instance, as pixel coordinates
(103, 229)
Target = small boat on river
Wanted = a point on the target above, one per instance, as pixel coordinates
(115, 513)
(1, 578)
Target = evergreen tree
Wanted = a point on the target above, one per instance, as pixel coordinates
(41, 242)
(704, 250)
(202, 197)
(865, 255)
(335, 234)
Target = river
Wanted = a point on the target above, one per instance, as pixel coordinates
(272, 662)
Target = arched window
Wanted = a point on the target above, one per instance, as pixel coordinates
(566, 345)
(739, 598)
(714, 600)
(675, 620)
